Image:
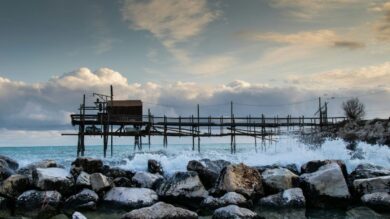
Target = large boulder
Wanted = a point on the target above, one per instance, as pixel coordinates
(279, 179)
(379, 201)
(84, 200)
(160, 210)
(5, 207)
(5, 172)
(11, 163)
(325, 187)
(147, 180)
(83, 180)
(182, 187)
(122, 182)
(130, 198)
(234, 212)
(292, 167)
(231, 198)
(208, 170)
(155, 167)
(28, 170)
(99, 182)
(314, 165)
(33, 203)
(371, 185)
(115, 172)
(290, 198)
(78, 215)
(52, 179)
(241, 179)
(366, 170)
(87, 164)
(14, 185)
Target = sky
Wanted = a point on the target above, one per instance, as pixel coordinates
(272, 57)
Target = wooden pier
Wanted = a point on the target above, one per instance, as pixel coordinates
(109, 118)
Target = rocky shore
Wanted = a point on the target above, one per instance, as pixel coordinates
(214, 188)
(376, 131)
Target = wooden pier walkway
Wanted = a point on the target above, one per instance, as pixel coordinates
(124, 118)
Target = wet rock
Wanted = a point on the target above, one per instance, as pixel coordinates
(130, 198)
(379, 201)
(182, 187)
(28, 170)
(325, 187)
(231, 198)
(5, 207)
(362, 213)
(160, 210)
(122, 182)
(99, 182)
(33, 203)
(52, 179)
(83, 180)
(371, 185)
(87, 164)
(292, 167)
(208, 170)
(279, 179)
(364, 171)
(290, 198)
(314, 165)
(241, 179)
(233, 211)
(60, 216)
(155, 167)
(14, 185)
(147, 180)
(11, 163)
(283, 213)
(5, 172)
(78, 215)
(84, 200)
(116, 172)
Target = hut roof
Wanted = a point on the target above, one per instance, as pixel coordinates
(124, 103)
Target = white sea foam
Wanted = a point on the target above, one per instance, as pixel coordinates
(286, 150)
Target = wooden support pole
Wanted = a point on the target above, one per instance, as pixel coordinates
(192, 132)
(198, 130)
(150, 126)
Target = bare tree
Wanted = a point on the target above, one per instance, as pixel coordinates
(354, 109)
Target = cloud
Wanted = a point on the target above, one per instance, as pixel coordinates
(348, 44)
(304, 9)
(323, 37)
(382, 26)
(47, 105)
(365, 78)
(175, 22)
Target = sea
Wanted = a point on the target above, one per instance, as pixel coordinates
(283, 150)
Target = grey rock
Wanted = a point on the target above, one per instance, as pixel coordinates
(130, 198)
(234, 212)
(325, 187)
(99, 182)
(314, 165)
(11, 163)
(160, 210)
(182, 187)
(33, 203)
(87, 164)
(5, 172)
(83, 180)
(14, 185)
(115, 172)
(78, 215)
(155, 167)
(371, 185)
(230, 198)
(279, 179)
(378, 201)
(146, 180)
(208, 170)
(290, 198)
(122, 182)
(84, 200)
(28, 170)
(52, 179)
